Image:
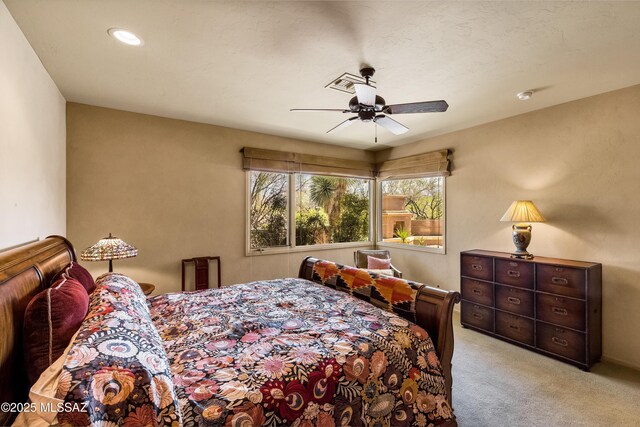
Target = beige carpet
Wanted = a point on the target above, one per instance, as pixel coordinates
(499, 384)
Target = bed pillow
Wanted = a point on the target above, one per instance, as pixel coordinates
(42, 396)
(79, 273)
(52, 317)
(374, 263)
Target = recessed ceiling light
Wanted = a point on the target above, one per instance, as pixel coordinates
(125, 36)
(523, 96)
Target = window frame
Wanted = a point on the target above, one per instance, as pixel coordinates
(392, 245)
(291, 210)
(247, 212)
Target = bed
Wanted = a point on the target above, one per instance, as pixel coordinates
(323, 382)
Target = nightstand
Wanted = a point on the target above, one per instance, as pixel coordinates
(147, 288)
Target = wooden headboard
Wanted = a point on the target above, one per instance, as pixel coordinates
(24, 271)
(434, 313)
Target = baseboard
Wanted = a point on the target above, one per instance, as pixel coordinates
(624, 363)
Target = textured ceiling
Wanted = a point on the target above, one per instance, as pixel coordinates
(245, 64)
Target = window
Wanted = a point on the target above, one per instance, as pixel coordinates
(269, 203)
(302, 200)
(331, 209)
(328, 210)
(413, 212)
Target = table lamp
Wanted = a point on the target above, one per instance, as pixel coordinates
(522, 212)
(109, 248)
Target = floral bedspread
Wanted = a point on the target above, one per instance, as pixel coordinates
(293, 352)
(117, 372)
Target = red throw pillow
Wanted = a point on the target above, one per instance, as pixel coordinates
(374, 263)
(50, 320)
(79, 273)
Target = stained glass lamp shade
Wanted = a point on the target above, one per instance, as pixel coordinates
(108, 249)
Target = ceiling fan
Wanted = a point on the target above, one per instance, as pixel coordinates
(370, 107)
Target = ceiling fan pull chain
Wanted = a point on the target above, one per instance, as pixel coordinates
(376, 131)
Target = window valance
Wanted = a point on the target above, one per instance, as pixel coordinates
(287, 162)
(435, 163)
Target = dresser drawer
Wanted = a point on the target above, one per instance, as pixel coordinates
(477, 315)
(560, 341)
(515, 273)
(477, 266)
(477, 291)
(566, 281)
(514, 300)
(561, 311)
(517, 328)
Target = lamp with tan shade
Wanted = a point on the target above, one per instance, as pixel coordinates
(522, 212)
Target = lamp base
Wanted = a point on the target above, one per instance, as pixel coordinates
(521, 238)
(520, 255)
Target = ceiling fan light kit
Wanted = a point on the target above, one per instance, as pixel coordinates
(526, 95)
(371, 107)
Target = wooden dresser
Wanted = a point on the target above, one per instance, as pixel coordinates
(549, 305)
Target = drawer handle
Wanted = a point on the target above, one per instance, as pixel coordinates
(514, 300)
(513, 273)
(559, 281)
(477, 291)
(560, 341)
(478, 316)
(559, 310)
(476, 267)
(516, 327)
(513, 264)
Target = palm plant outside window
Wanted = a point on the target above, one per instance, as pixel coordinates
(331, 210)
(328, 210)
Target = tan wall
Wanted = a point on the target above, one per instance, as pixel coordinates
(580, 163)
(32, 142)
(175, 190)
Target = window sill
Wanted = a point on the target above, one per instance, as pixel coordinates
(309, 248)
(411, 247)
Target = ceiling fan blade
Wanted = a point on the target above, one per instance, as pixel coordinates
(311, 110)
(417, 107)
(344, 124)
(366, 94)
(391, 125)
